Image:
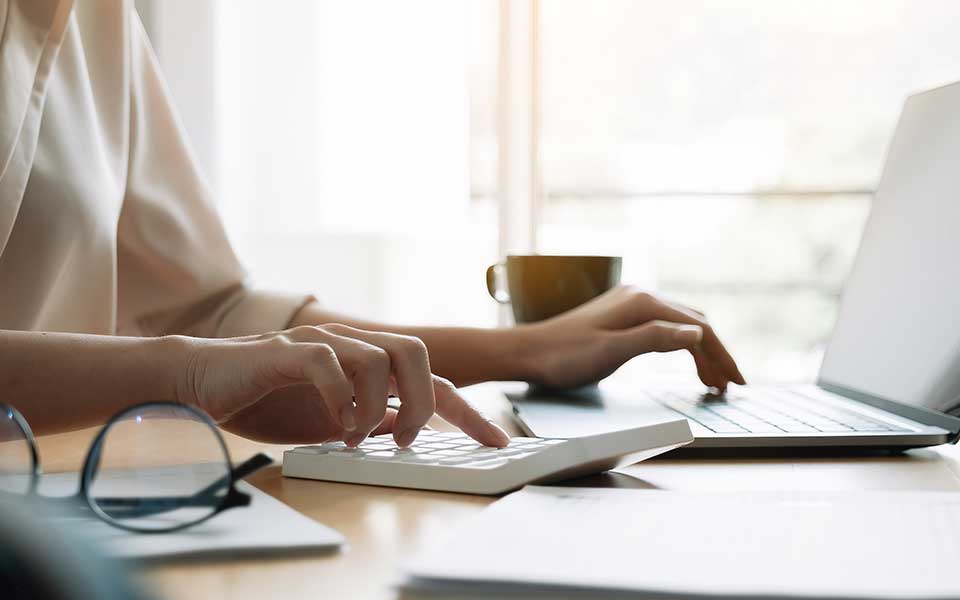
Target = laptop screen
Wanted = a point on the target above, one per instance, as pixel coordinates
(898, 332)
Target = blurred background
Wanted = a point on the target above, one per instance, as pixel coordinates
(382, 153)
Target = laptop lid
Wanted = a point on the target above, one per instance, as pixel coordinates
(897, 336)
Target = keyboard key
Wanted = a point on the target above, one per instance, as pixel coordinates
(871, 428)
(381, 455)
(832, 427)
(726, 428)
(487, 464)
(483, 455)
(347, 453)
(378, 446)
(799, 427)
(445, 445)
(419, 458)
(712, 422)
(448, 453)
(761, 427)
(311, 449)
(516, 457)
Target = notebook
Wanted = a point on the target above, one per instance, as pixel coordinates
(267, 526)
(576, 542)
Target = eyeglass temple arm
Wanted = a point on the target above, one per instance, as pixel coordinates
(204, 497)
(241, 471)
(251, 466)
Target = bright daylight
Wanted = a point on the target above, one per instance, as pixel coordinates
(479, 299)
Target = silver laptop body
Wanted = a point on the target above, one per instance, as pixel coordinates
(890, 378)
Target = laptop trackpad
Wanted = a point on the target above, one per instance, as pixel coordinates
(585, 411)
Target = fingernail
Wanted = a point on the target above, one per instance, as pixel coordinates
(406, 437)
(354, 440)
(500, 433)
(688, 334)
(347, 420)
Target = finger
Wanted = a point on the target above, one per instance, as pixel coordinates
(688, 309)
(713, 348)
(708, 372)
(414, 381)
(316, 364)
(386, 425)
(663, 336)
(368, 367)
(458, 412)
(655, 336)
(641, 306)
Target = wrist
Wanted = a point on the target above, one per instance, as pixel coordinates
(174, 360)
(523, 352)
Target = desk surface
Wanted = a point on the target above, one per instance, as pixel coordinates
(385, 525)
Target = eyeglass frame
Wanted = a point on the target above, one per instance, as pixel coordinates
(234, 498)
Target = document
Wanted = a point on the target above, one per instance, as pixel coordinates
(265, 526)
(560, 542)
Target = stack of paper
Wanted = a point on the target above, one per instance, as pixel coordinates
(560, 542)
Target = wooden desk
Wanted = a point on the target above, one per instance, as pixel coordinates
(385, 525)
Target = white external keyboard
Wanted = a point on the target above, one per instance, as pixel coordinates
(454, 462)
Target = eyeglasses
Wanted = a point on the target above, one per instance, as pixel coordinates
(155, 467)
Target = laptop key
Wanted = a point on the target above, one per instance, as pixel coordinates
(799, 427)
(725, 428)
(763, 428)
(872, 428)
(833, 428)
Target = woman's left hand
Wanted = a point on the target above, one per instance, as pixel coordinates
(592, 341)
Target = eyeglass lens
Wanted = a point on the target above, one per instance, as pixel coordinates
(158, 467)
(16, 458)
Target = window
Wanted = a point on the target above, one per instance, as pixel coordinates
(728, 150)
(340, 136)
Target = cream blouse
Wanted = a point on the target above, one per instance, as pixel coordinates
(106, 224)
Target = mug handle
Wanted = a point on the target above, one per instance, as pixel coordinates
(495, 273)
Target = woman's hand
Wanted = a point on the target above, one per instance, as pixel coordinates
(317, 384)
(591, 341)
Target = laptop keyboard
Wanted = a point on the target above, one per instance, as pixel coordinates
(775, 411)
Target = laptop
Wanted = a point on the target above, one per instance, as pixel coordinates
(890, 378)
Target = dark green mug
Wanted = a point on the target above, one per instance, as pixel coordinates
(538, 287)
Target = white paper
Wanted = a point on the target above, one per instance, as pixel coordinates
(265, 526)
(771, 544)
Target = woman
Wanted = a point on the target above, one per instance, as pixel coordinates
(109, 237)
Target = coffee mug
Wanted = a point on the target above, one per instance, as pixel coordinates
(539, 287)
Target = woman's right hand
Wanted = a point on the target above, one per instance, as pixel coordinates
(318, 384)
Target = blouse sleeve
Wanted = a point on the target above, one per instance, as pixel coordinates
(176, 270)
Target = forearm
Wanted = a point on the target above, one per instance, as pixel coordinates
(62, 381)
(464, 355)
